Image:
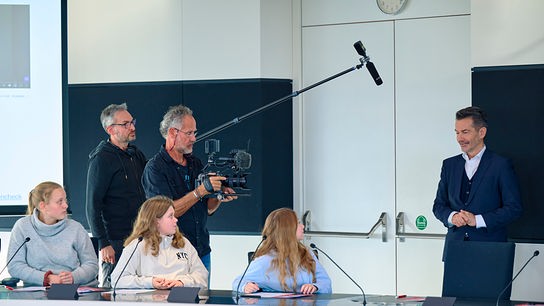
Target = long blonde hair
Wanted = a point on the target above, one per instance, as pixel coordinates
(280, 229)
(146, 225)
(41, 193)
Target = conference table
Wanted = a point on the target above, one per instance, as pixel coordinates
(220, 297)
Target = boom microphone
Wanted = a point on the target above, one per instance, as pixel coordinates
(27, 239)
(361, 50)
(126, 264)
(374, 73)
(313, 246)
(535, 254)
(245, 271)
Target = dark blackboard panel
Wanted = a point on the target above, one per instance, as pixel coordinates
(213, 103)
(513, 97)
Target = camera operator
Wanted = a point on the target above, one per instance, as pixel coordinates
(172, 173)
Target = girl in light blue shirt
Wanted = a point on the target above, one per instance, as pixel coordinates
(283, 263)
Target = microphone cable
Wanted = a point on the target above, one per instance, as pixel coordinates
(535, 254)
(126, 264)
(27, 239)
(313, 246)
(247, 267)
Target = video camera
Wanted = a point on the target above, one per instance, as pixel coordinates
(232, 167)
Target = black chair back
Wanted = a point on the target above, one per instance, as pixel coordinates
(474, 269)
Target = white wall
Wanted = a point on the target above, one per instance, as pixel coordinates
(164, 40)
(210, 51)
(229, 258)
(124, 41)
(506, 32)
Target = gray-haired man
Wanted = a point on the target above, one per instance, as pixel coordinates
(114, 190)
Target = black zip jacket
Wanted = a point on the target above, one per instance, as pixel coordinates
(114, 191)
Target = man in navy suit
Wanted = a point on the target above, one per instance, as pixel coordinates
(478, 193)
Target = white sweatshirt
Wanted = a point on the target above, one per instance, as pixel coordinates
(171, 263)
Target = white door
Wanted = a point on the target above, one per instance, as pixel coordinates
(368, 150)
(433, 82)
(348, 149)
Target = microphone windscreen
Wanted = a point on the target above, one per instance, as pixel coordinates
(537, 252)
(264, 237)
(27, 239)
(360, 48)
(312, 246)
(242, 160)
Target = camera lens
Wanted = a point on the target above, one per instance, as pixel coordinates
(235, 182)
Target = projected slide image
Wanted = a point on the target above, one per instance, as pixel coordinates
(30, 99)
(14, 46)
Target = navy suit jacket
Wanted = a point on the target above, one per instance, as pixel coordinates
(494, 194)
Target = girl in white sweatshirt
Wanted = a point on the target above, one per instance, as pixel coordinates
(162, 258)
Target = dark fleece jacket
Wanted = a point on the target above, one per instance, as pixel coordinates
(114, 191)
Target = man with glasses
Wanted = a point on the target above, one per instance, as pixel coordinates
(172, 172)
(114, 190)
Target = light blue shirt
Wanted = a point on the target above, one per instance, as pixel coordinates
(471, 164)
(259, 272)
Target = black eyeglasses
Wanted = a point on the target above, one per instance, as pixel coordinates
(188, 134)
(126, 125)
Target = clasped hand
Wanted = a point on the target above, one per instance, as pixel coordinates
(463, 218)
(63, 277)
(305, 289)
(162, 283)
